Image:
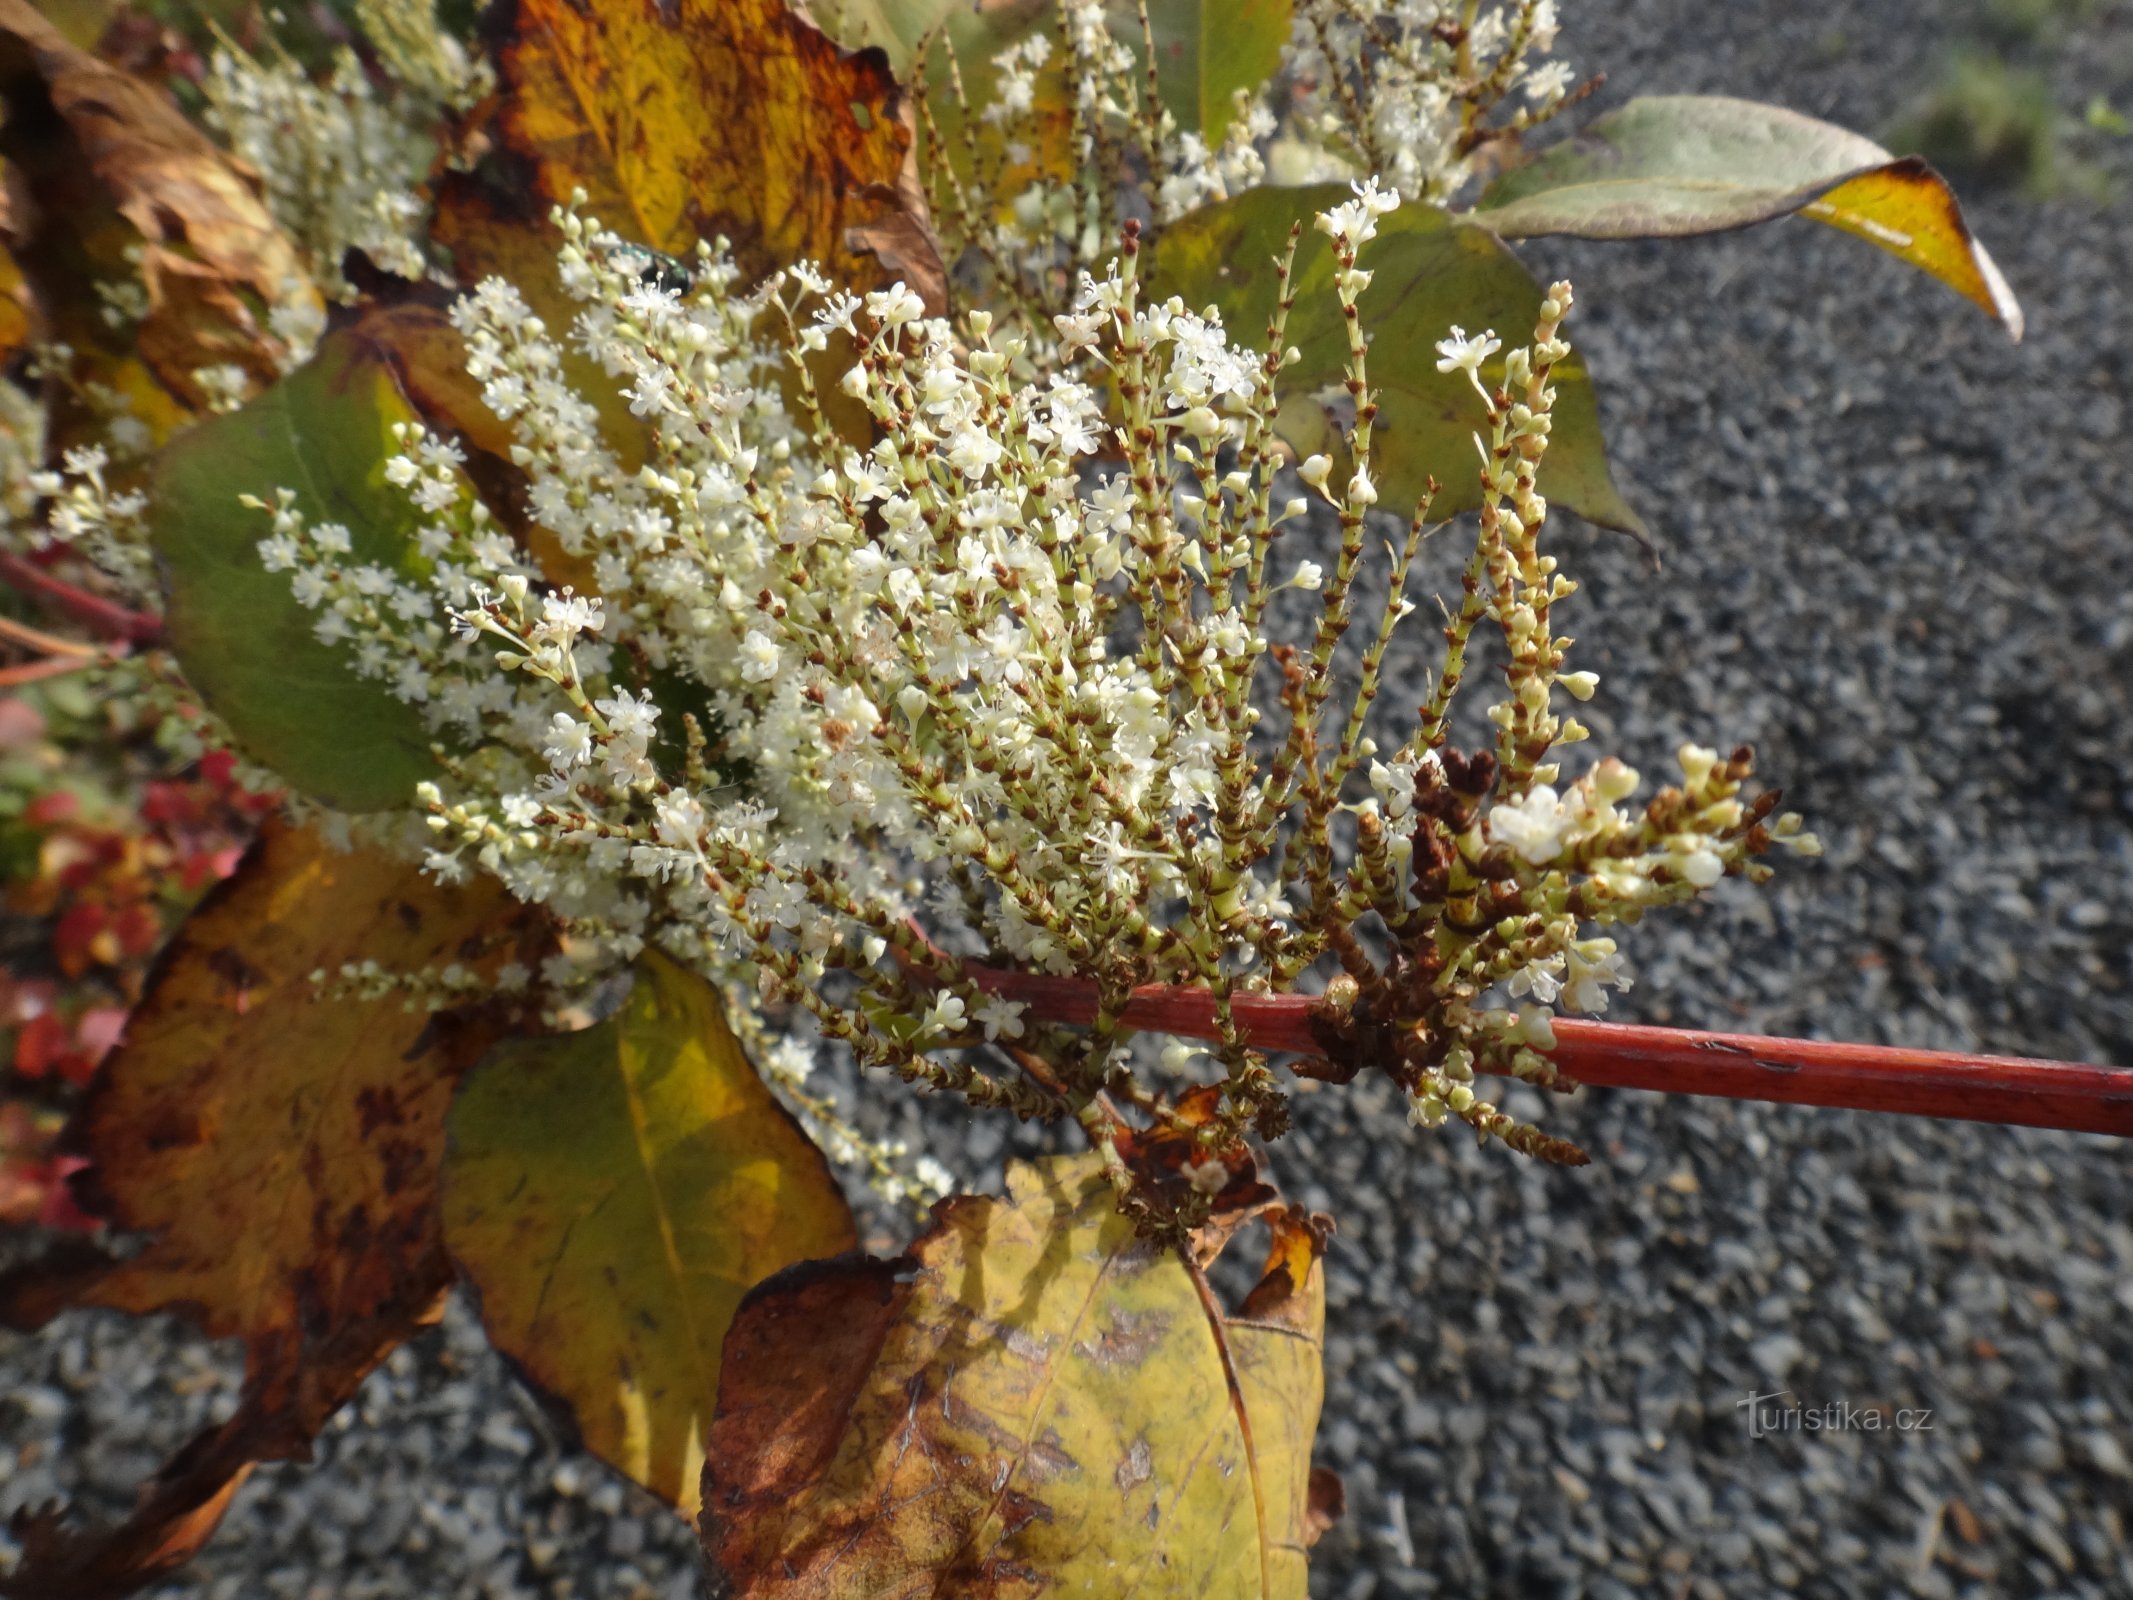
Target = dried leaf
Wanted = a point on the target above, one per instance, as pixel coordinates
(175, 1514)
(1034, 1401)
(612, 1194)
(247, 645)
(212, 260)
(282, 1152)
(67, 240)
(689, 120)
(18, 307)
(1672, 165)
(1430, 270)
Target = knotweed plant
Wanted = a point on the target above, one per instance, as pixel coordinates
(1071, 133)
(995, 696)
(1422, 89)
(928, 625)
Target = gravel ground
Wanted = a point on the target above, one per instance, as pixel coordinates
(1895, 554)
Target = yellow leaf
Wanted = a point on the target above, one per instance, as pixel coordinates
(282, 1153)
(612, 1194)
(1906, 209)
(697, 118)
(18, 306)
(1034, 1402)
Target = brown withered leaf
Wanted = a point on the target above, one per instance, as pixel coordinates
(211, 258)
(690, 119)
(283, 1153)
(1033, 1401)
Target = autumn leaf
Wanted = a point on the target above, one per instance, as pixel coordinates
(1673, 165)
(689, 121)
(612, 1194)
(245, 641)
(18, 305)
(89, 138)
(1033, 1401)
(1429, 270)
(281, 1152)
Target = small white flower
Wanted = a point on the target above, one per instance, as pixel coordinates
(1537, 1027)
(944, 1017)
(569, 742)
(1702, 867)
(1461, 354)
(1532, 827)
(1356, 221)
(1208, 1174)
(759, 657)
(1001, 1017)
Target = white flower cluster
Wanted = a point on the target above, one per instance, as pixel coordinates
(985, 679)
(1034, 214)
(343, 162)
(1407, 89)
(420, 56)
(87, 511)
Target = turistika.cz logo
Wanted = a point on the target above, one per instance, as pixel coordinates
(1768, 1414)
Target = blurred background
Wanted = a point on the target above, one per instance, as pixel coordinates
(1895, 555)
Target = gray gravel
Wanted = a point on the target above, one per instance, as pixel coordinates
(1896, 555)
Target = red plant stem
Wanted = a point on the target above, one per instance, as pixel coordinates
(44, 667)
(1730, 1066)
(107, 617)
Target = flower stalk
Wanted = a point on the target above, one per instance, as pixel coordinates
(1836, 1074)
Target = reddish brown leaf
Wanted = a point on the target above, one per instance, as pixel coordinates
(212, 259)
(695, 118)
(283, 1153)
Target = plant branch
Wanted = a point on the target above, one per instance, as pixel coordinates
(1815, 1072)
(45, 667)
(107, 617)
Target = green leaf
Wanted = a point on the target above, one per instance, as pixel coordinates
(1206, 50)
(1432, 270)
(1673, 165)
(612, 1194)
(897, 27)
(296, 705)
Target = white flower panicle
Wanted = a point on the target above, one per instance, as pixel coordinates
(990, 681)
(1417, 90)
(342, 161)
